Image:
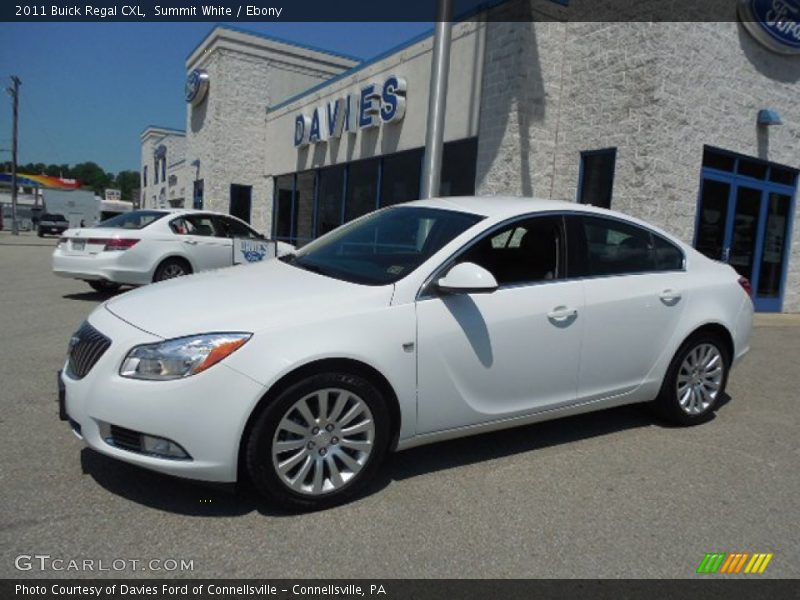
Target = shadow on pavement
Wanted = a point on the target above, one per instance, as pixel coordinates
(93, 296)
(185, 497)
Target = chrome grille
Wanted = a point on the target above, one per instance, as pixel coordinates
(86, 347)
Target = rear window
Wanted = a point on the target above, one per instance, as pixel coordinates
(137, 219)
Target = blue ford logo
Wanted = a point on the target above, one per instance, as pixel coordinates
(773, 23)
(196, 86)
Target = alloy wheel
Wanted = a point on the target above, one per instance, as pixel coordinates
(700, 379)
(323, 441)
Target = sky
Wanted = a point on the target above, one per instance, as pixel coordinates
(89, 89)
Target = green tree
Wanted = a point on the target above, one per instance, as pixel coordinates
(92, 177)
(127, 182)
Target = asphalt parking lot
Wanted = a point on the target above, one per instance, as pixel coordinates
(611, 494)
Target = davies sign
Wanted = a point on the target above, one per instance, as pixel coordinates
(367, 108)
(773, 23)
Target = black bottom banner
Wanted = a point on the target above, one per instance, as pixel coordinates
(416, 589)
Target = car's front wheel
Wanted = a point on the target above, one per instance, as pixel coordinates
(695, 380)
(319, 442)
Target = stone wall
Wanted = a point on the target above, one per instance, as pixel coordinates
(658, 92)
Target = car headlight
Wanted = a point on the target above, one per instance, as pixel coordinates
(181, 357)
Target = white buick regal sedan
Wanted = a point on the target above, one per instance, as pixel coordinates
(144, 246)
(416, 323)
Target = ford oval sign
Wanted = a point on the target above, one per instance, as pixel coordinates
(773, 23)
(196, 86)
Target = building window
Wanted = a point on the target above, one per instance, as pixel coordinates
(197, 194)
(401, 177)
(283, 208)
(144, 176)
(241, 201)
(164, 168)
(458, 168)
(310, 204)
(329, 199)
(305, 188)
(596, 179)
(362, 188)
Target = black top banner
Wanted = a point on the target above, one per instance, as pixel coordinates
(380, 10)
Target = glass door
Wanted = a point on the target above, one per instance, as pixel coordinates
(747, 225)
(741, 240)
(776, 215)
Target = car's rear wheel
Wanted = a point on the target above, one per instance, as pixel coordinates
(172, 268)
(102, 285)
(319, 442)
(695, 380)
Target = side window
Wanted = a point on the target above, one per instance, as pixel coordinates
(617, 248)
(234, 229)
(200, 225)
(668, 256)
(180, 226)
(526, 251)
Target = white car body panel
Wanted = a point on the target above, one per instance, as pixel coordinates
(451, 374)
(484, 356)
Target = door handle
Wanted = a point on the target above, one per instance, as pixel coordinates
(562, 313)
(190, 242)
(670, 297)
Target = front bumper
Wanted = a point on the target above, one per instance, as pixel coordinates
(204, 413)
(101, 266)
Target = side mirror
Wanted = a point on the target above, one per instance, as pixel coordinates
(466, 278)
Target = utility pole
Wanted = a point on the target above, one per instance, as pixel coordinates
(14, 91)
(437, 101)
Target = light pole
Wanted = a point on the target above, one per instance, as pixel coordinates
(14, 91)
(437, 101)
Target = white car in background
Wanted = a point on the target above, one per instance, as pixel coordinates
(145, 246)
(420, 322)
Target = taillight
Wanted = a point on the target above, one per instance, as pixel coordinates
(745, 283)
(114, 244)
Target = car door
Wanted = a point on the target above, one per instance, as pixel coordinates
(203, 241)
(635, 293)
(491, 356)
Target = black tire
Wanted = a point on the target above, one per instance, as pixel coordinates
(101, 285)
(667, 404)
(40, 234)
(172, 268)
(258, 453)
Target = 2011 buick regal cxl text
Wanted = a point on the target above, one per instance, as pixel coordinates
(416, 323)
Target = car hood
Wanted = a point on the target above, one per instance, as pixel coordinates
(252, 298)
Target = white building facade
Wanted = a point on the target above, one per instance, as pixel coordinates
(692, 126)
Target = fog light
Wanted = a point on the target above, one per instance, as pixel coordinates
(162, 447)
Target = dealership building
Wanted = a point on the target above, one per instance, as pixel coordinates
(694, 127)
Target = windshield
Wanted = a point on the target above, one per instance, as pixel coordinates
(49, 217)
(133, 220)
(383, 247)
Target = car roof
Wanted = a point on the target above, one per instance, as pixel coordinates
(505, 207)
(186, 211)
